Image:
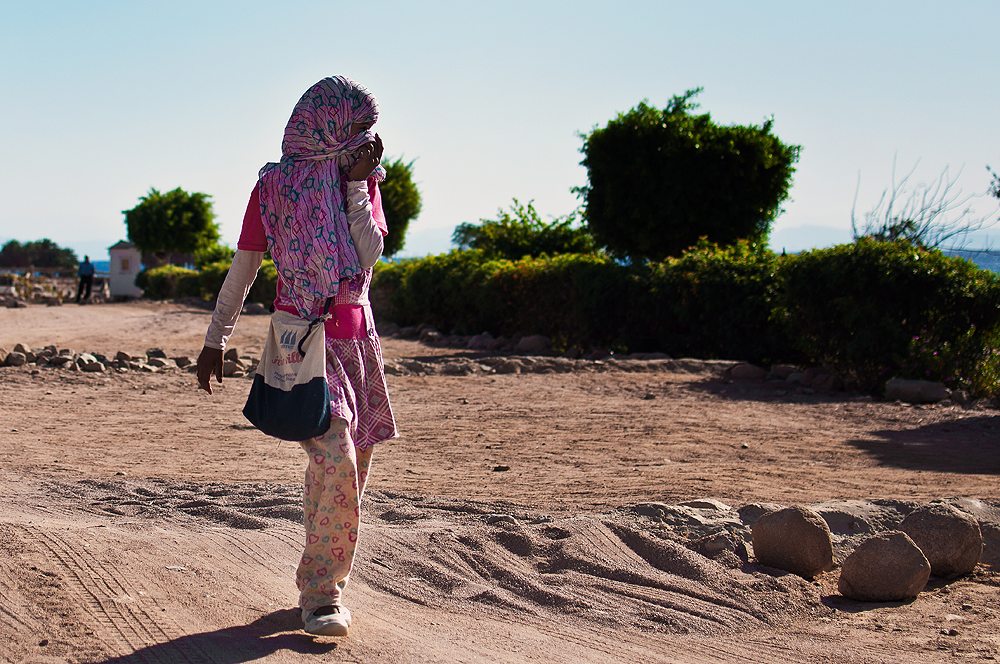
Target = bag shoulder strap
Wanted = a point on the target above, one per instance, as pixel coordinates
(320, 319)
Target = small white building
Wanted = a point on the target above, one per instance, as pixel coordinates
(126, 262)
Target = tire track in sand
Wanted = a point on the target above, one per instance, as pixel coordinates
(108, 599)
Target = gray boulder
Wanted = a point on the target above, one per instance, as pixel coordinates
(481, 341)
(533, 344)
(949, 538)
(745, 371)
(915, 391)
(783, 371)
(887, 567)
(795, 539)
(991, 545)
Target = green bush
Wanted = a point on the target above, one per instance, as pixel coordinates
(521, 232)
(877, 310)
(168, 282)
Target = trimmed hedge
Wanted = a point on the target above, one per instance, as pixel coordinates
(877, 310)
(870, 310)
(170, 281)
(167, 282)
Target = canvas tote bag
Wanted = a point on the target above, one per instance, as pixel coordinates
(289, 398)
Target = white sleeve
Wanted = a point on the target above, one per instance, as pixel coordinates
(231, 297)
(366, 235)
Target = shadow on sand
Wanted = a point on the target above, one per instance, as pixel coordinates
(968, 445)
(234, 645)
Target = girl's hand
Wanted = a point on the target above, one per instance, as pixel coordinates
(370, 156)
(209, 362)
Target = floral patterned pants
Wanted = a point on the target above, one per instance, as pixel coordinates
(335, 481)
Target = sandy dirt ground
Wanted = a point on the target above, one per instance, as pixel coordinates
(521, 517)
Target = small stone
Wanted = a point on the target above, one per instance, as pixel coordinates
(232, 355)
(573, 353)
(888, 567)
(950, 538)
(181, 361)
(158, 362)
(43, 642)
(155, 352)
(431, 337)
(21, 348)
(501, 469)
(15, 359)
(122, 356)
(494, 519)
(508, 367)
(795, 539)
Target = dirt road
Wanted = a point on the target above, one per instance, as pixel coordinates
(146, 521)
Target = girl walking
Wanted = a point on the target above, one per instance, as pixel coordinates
(319, 213)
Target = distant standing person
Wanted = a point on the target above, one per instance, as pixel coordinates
(86, 274)
(319, 212)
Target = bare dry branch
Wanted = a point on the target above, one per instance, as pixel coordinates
(927, 215)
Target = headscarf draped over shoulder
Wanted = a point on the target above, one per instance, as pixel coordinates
(302, 198)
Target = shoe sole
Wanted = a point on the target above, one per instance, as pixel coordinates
(332, 629)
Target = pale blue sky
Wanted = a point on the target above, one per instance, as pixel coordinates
(103, 100)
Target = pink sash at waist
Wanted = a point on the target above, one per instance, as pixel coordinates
(347, 321)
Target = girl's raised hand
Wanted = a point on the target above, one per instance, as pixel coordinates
(370, 156)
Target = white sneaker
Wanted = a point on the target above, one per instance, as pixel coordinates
(331, 621)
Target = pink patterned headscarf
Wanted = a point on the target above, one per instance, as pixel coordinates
(302, 196)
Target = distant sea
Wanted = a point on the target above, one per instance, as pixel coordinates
(986, 260)
(101, 267)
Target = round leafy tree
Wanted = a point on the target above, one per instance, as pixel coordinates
(660, 180)
(176, 221)
(400, 203)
